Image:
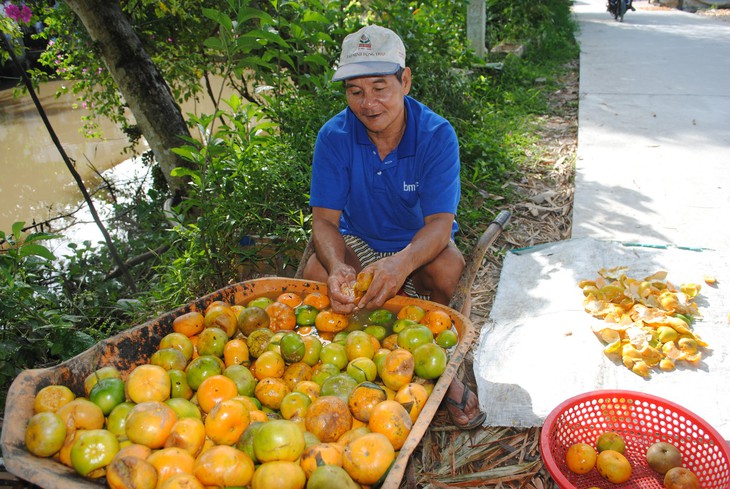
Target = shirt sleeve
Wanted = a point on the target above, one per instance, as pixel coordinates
(440, 188)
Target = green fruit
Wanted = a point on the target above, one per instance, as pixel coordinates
(306, 314)
(329, 476)
(430, 361)
(447, 338)
(382, 317)
(292, 347)
(107, 393)
(402, 324)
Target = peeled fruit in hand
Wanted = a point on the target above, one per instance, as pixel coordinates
(681, 478)
(613, 466)
(662, 456)
(610, 441)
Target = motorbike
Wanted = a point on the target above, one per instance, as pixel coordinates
(618, 8)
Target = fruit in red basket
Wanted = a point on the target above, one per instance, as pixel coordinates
(45, 434)
(610, 440)
(613, 466)
(580, 458)
(662, 456)
(92, 451)
(681, 478)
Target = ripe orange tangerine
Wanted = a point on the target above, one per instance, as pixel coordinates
(171, 461)
(291, 299)
(318, 300)
(613, 466)
(367, 458)
(214, 389)
(331, 322)
(281, 317)
(226, 422)
(437, 321)
(189, 324)
(580, 458)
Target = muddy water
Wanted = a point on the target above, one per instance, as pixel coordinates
(35, 183)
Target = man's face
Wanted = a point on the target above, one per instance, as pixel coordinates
(377, 101)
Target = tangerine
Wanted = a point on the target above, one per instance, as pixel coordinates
(392, 420)
(368, 458)
(281, 317)
(580, 458)
(223, 466)
(189, 324)
(613, 466)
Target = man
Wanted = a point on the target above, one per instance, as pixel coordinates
(384, 193)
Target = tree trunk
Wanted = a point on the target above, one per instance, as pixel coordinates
(143, 88)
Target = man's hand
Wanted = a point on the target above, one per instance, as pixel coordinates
(340, 287)
(389, 274)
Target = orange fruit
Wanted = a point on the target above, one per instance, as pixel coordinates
(328, 418)
(271, 391)
(279, 474)
(131, 471)
(437, 321)
(45, 434)
(320, 454)
(364, 398)
(367, 458)
(392, 420)
(318, 300)
(170, 462)
(214, 389)
(148, 383)
(613, 466)
(223, 317)
(308, 387)
(235, 352)
(179, 341)
(291, 299)
(269, 364)
(413, 397)
(52, 397)
(181, 481)
(226, 422)
(412, 312)
(681, 478)
(580, 458)
(281, 317)
(81, 414)
(398, 368)
(358, 344)
(189, 324)
(296, 373)
(331, 322)
(170, 358)
(188, 434)
(223, 466)
(150, 423)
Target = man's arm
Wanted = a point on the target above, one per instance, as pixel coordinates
(391, 272)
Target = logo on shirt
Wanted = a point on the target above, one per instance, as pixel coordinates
(410, 187)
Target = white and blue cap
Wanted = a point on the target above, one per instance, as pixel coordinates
(371, 51)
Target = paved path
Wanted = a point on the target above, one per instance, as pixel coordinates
(654, 127)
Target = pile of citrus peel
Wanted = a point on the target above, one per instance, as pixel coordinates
(647, 323)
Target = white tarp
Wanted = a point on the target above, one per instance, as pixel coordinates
(538, 348)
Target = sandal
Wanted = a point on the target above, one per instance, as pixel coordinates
(461, 406)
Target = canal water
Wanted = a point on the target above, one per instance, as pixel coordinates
(36, 185)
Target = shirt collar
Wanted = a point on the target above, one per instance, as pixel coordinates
(407, 145)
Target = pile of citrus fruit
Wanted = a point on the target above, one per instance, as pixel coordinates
(647, 323)
(281, 392)
(608, 458)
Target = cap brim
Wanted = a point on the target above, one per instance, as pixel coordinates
(368, 68)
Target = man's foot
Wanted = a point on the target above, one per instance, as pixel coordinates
(631, 7)
(463, 406)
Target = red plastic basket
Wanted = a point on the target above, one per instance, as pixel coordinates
(641, 419)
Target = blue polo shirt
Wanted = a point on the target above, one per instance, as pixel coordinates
(384, 201)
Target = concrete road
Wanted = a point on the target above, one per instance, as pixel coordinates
(654, 127)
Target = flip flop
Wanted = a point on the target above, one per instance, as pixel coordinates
(461, 406)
